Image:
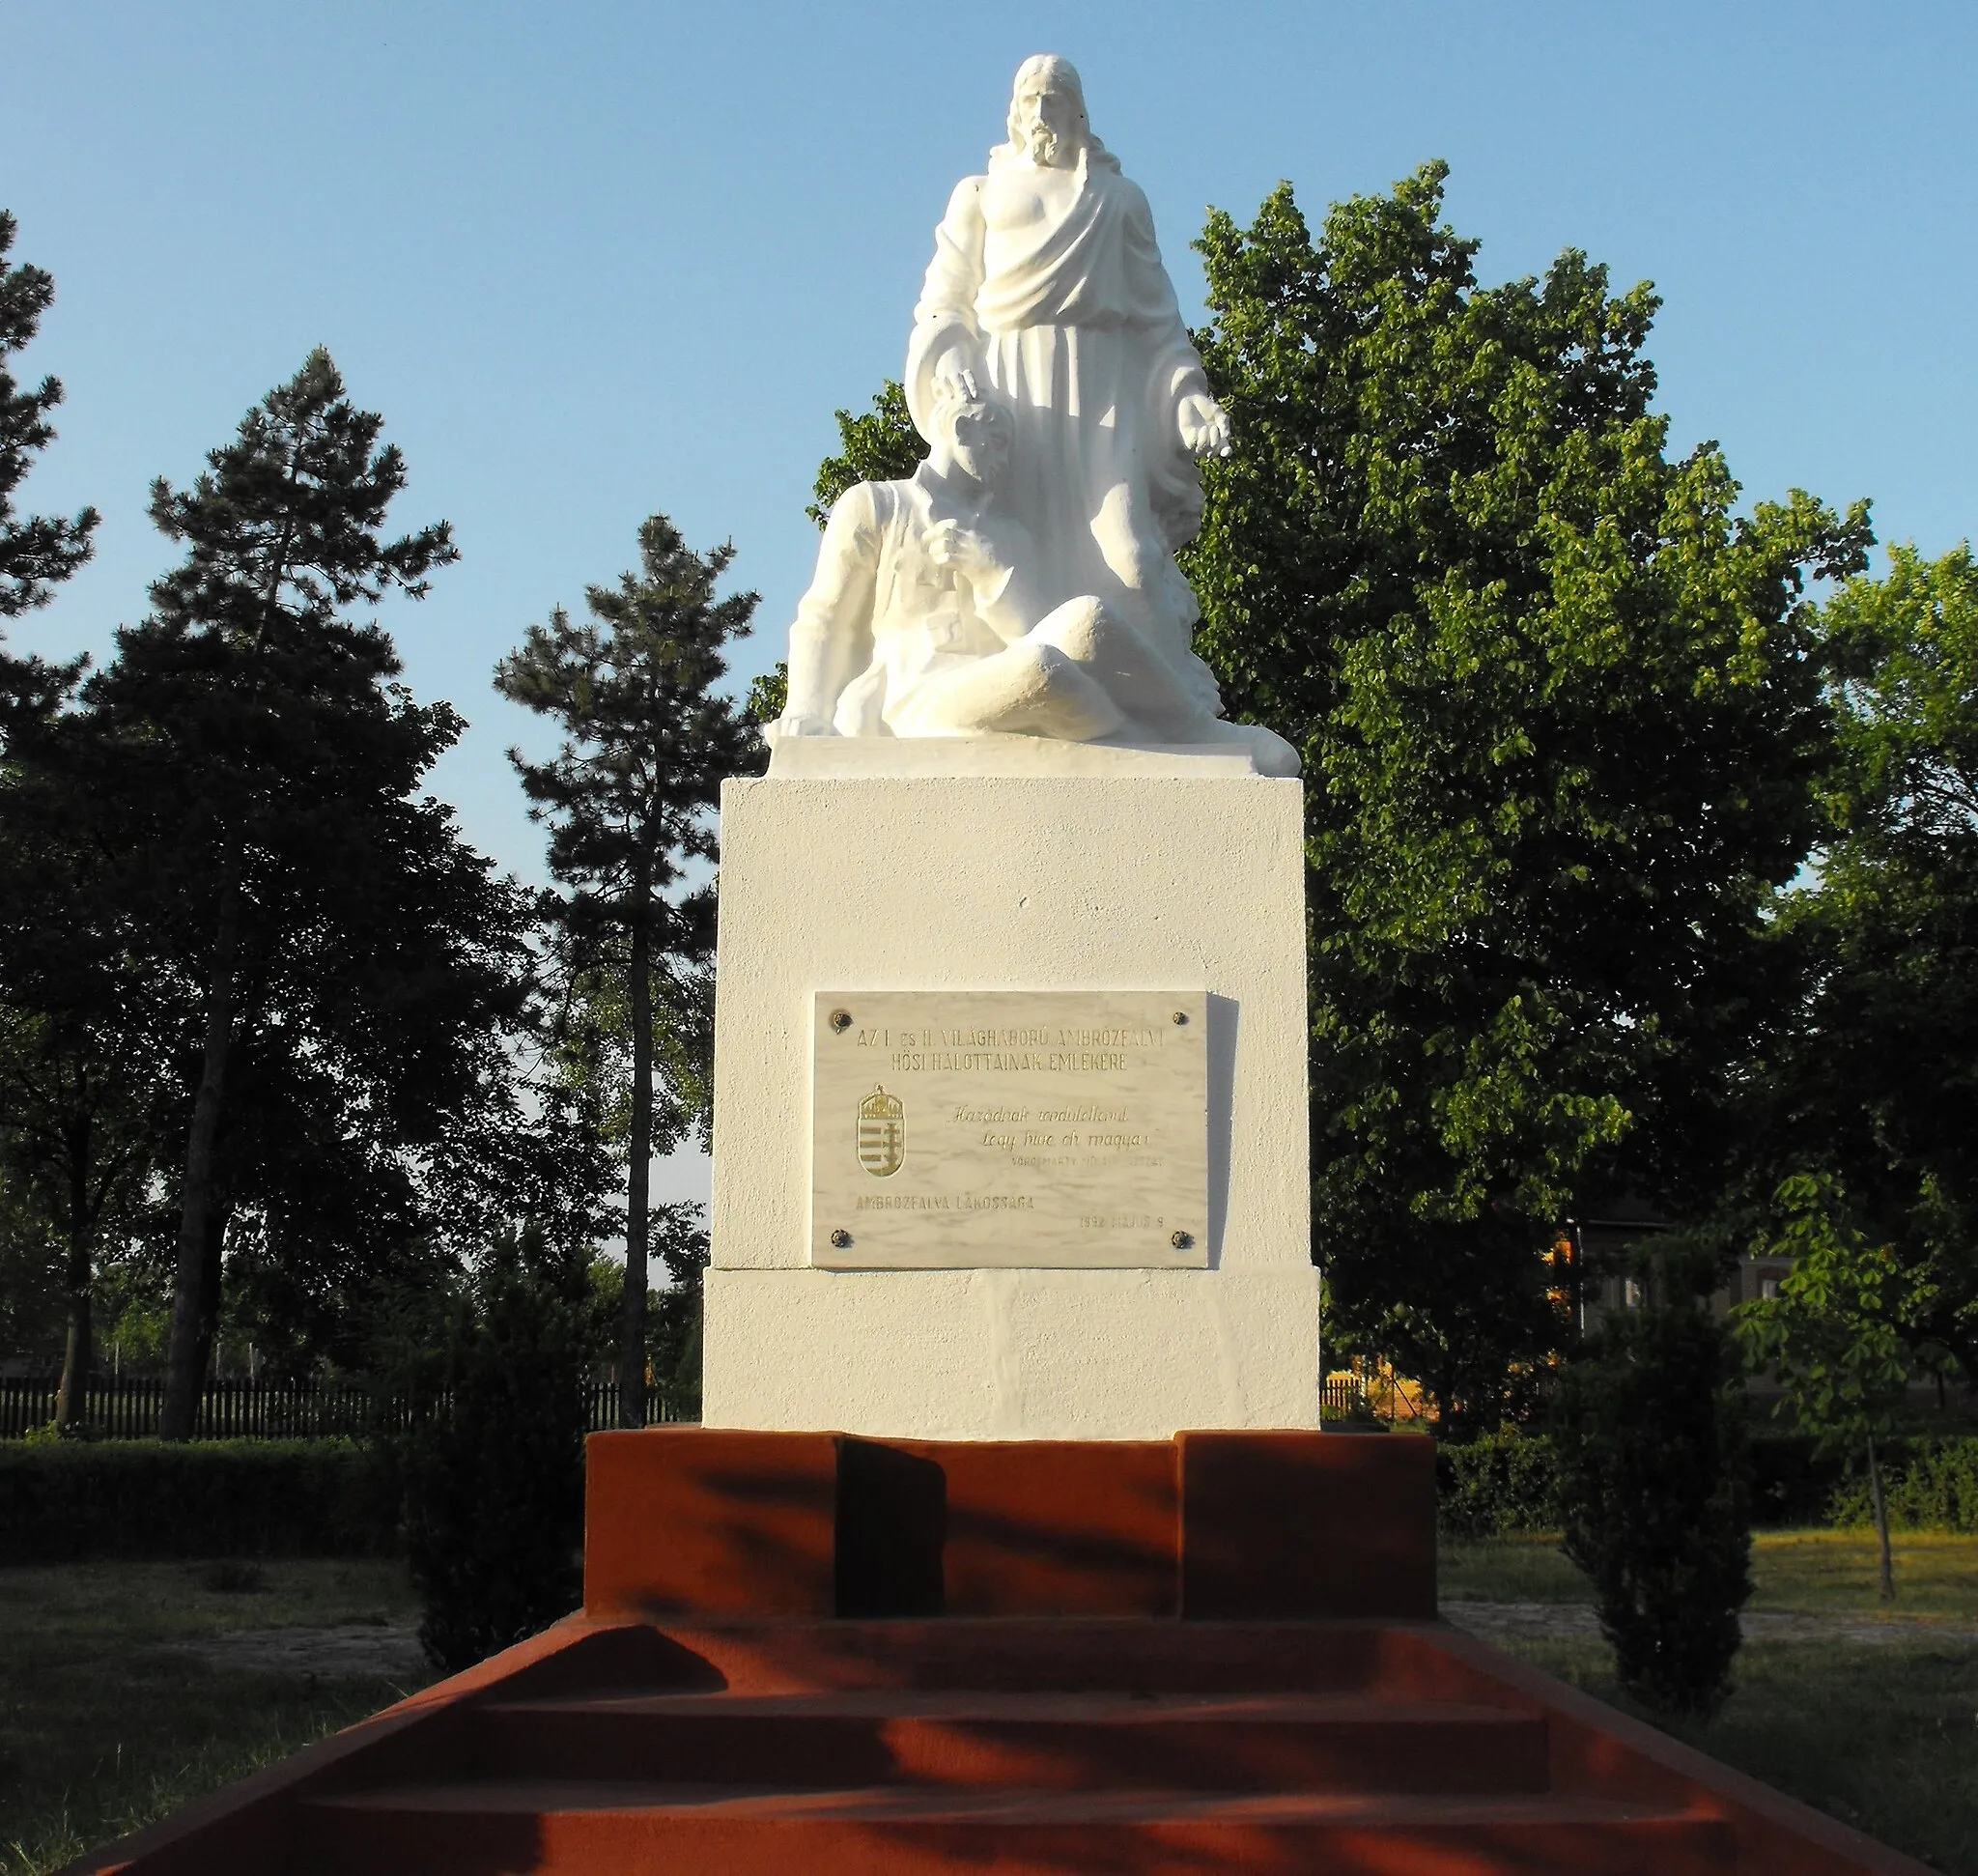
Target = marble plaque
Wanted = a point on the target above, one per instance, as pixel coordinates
(1046, 1129)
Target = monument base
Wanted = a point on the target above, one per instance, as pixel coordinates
(1176, 874)
(1012, 1354)
(1250, 1525)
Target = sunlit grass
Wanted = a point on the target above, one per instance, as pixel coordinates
(1815, 1573)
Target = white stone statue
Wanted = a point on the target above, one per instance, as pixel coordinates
(1023, 579)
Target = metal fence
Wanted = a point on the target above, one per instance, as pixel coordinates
(1340, 1398)
(128, 1408)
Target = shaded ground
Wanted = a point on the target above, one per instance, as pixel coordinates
(130, 1688)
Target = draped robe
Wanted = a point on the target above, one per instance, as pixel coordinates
(1047, 284)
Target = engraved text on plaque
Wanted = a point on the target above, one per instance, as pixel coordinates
(956, 1128)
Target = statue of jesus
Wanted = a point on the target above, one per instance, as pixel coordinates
(1046, 284)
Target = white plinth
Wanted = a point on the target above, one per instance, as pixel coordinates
(1035, 882)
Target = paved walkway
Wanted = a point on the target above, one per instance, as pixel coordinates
(350, 1651)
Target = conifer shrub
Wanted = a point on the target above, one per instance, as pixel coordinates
(495, 1483)
(1649, 1428)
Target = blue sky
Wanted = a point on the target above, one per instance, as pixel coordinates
(596, 259)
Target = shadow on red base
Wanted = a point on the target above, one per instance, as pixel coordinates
(886, 1658)
(1248, 1525)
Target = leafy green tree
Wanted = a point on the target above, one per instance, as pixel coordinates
(340, 960)
(768, 693)
(630, 798)
(1650, 1429)
(877, 446)
(37, 552)
(1561, 722)
(1846, 1334)
(1875, 1089)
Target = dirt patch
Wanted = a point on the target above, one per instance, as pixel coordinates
(350, 1652)
(1499, 1622)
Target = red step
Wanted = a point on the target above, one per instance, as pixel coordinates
(1066, 1654)
(564, 1828)
(1271, 1742)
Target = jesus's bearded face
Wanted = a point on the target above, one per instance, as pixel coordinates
(1047, 120)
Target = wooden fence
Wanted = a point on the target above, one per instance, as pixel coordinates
(128, 1408)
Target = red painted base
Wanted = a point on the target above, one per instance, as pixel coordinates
(686, 1520)
(855, 1658)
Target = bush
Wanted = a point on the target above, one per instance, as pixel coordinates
(1504, 1483)
(495, 1487)
(65, 1500)
(1929, 1486)
(1650, 1431)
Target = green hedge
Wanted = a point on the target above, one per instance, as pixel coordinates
(1507, 1483)
(1929, 1486)
(141, 1498)
(1504, 1483)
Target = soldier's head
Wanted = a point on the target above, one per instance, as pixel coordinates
(1047, 111)
(972, 431)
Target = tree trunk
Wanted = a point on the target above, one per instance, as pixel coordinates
(631, 1335)
(71, 1397)
(1885, 1589)
(193, 1309)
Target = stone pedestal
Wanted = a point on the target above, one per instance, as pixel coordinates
(1150, 870)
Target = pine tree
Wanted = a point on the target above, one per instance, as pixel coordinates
(630, 800)
(37, 552)
(332, 940)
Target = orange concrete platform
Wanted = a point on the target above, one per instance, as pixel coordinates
(803, 1653)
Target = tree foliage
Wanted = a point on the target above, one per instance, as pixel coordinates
(1874, 1092)
(629, 800)
(37, 552)
(877, 446)
(1560, 719)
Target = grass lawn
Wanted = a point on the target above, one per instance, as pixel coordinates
(1883, 1734)
(104, 1724)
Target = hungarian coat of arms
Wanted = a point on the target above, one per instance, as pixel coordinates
(882, 1135)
